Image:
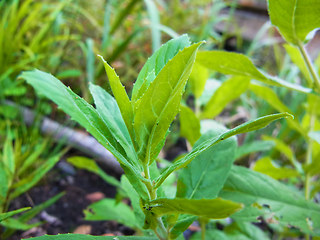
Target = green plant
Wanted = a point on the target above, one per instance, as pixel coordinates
(134, 130)
(24, 162)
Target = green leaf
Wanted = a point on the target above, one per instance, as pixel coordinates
(226, 93)
(198, 79)
(255, 146)
(295, 19)
(4, 182)
(6, 215)
(205, 175)
(108, 110)
(264, 196)
(8, 156)
(91, 166)
(155, 63)
(108, 209)
(120, 95)
(12, 223)
(273, 100)
(189, 125)
(239, 65)
(210, 208)
(246, 127)
(34, 177)
(266, 166)
(70, 236)
(160, 103)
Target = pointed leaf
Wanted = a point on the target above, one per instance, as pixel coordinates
(205, 175)
(189, 125)
(243, 128)
(160, 103)
(227, 92)
(155, 63)
(239, 65)
(264, 196)
(121, 96)
(108, 110)
(210, 208)
(295, 18)
(6, 215)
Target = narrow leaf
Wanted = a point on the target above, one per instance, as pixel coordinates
(294, 18)
(227, 92)
(155, 63)
(108, 110)
(246, 127)
(210, 208)
(160, 103)
(6, 215)
(239, 65)
(120, 95)
(189, 125)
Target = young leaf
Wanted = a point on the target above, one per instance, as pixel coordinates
(227, 92)
(239, 65)
(70, 236)
(108, 110)
(6, 215)
(160, 103)
(295, 19)
(189, 125)
(205, 175)
(264, 195)
(155, 63)
(246, 127)
(108, 209)
(91, 166)
(121, 96)
(210, 208)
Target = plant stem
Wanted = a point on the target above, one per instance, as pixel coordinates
(309, 64)
(203, 230)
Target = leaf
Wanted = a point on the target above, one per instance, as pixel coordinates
(12, 223)
(108, 209)
(246, 127)
(189, 125)
(226, 93)
(154, 23)
(264, 196)
(70, 236)
(121, 96)
(266, 166)
(251, 147)
(108, 110)
(272, 99)
(8, 156)
(155, 63)
(87, 116)
(295, 19)
(205, 175)
(239, 65)
(6, 215)
(4, 182)
(198, 79)
(34, 177)
(210, 208)
(160, 103)
(91, 166)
